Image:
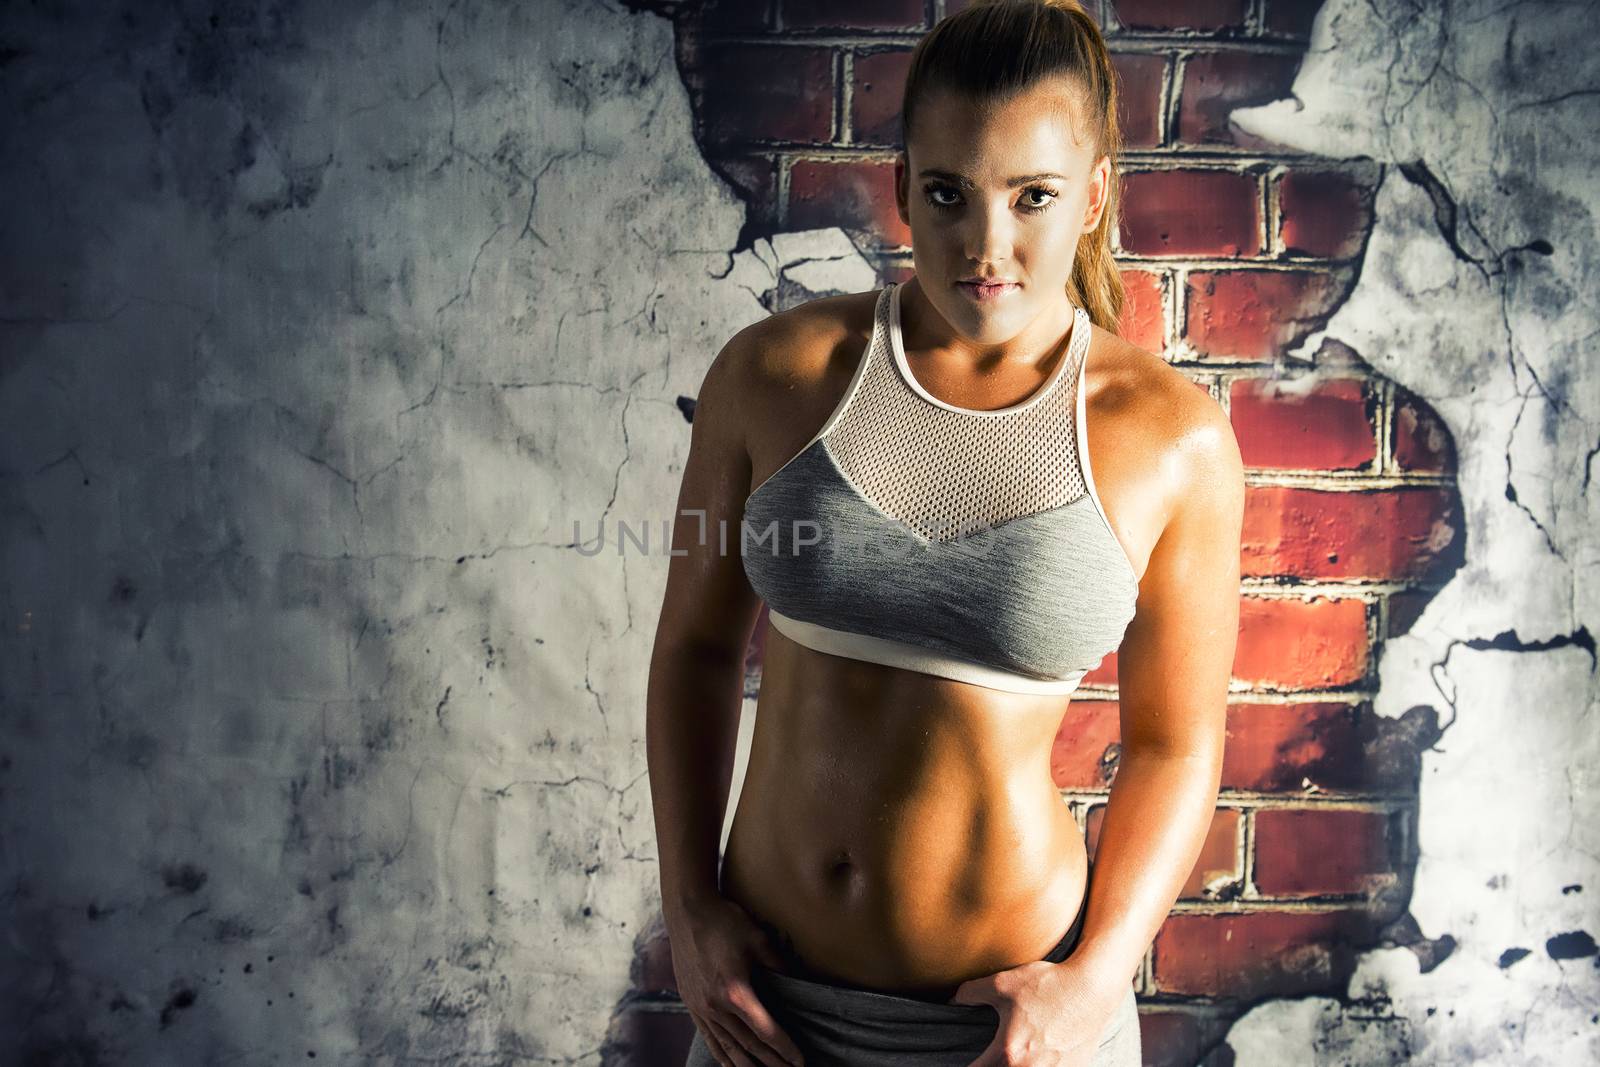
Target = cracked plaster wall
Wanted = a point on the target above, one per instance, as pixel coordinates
(323, 324)
(1478, 292)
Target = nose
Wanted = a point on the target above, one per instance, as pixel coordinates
(989, 233)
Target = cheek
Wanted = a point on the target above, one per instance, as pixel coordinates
(1062, 229)
(931, 224)
(1076, 210)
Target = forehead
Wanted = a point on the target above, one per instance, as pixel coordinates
(1038, 128)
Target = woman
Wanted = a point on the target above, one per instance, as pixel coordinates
(905, 478)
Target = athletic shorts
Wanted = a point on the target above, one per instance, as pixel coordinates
(844, 1026)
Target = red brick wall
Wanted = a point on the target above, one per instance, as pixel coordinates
(1232, 251)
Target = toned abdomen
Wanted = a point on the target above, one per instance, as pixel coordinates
(902, 831)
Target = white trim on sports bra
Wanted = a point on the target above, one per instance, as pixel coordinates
(911, 657)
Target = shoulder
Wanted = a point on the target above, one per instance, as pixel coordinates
(1181, 435)
(794, 360)
(802, 341)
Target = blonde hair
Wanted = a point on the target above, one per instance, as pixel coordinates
(997, 47)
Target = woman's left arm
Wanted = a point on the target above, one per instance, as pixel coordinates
(1173, 669)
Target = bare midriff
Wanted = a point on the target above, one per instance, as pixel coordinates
(900, 831)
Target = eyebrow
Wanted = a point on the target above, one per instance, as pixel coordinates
(967, 183)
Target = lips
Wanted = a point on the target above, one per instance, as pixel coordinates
(986, 288)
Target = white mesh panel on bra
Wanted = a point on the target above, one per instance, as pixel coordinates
(945, 472)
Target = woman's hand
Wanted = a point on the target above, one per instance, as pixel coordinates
(1051, 1014)
(713, 943)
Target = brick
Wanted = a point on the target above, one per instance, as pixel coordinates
(1181, 14)
(1243, 957)
(1304, 424)
(1292, 17)
(734, 16)
(1323, 213)
(877, 89)
(1083, 753)
(853, 14)
(1144, 317)
(760, 93)
(856, 195)
(1256, 316)
(1139, 80)
(1310, 852)
(1190, 213)
(1218, 864)
(1170, 1038)
(1420, 439)
(1215, 83)
(1402, 533)
(1219, 853)
(1301, 644)
(1327, 746)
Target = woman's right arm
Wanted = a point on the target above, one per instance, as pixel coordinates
(695, 692)
(696, 682)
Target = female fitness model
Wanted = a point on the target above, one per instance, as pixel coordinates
(904, 478)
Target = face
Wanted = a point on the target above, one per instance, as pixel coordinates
(999, 190)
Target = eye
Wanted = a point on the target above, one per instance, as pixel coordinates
(1035, 208)
(1027, 204)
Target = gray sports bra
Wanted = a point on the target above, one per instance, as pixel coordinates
(961, 543)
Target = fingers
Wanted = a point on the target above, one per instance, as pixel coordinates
(731, 1053)
(741, 1032)
(703, 1034)
(734, 1042)
(717, 1041)
(762, 1028)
